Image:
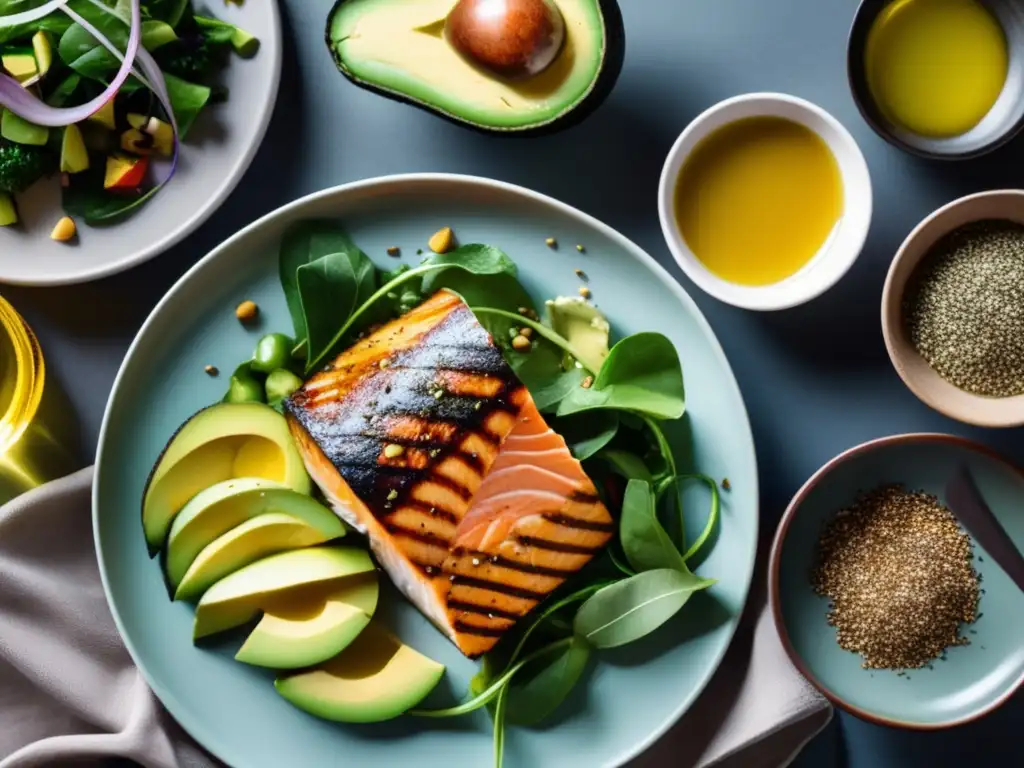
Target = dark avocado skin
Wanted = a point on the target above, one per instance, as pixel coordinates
(614, 55)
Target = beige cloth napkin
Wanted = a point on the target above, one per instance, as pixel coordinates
(70, 695)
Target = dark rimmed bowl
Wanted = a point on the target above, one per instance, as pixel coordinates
(1004, 120)
(974, 679)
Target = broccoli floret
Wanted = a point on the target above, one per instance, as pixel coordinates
(22, 165)
(193, 57)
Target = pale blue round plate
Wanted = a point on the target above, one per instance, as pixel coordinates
(974, 679)
(629, 698)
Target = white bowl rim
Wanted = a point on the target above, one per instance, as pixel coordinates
(832, 262)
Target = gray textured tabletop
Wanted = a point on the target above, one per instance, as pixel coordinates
(816, 379)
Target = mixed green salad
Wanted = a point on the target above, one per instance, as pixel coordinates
(610, 405)
(102, 92)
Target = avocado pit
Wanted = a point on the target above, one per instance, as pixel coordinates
(510, 38)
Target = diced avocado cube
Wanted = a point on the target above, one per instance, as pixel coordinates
(20, 66)
(8, 211)
(21, 131)
(43, 49)
(74, 158)
(105, 115)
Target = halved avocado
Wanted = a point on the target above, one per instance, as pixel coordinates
(221, 442)
(238, 597)
(246, 543)
(301, 633)
(376, 678)
(398, 48)
(215, 511)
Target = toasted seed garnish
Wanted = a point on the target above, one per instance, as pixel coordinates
(551, 242)
(442, 240)
(384, 363)
(580, 274)
(392, 494)
(588, 382)
(726, 484)
(527, 332)
(584, 292)
(64, 230)
(394, 251)
(247, 311)
(580, 248)
(520, 343)
(211, 370)
(393, 451)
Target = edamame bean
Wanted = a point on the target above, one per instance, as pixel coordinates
(273, 351)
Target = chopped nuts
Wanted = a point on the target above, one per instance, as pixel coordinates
(588, 382)
(393, 450)
(211, 370)
(442, 240)
(726, 485)
(384, 363)
(392, 494)
(520, 343)
(527, 332)
(64, 231)
(551, 242)
(584, 292)
(580, 274)
(393, 251)
(247, 311)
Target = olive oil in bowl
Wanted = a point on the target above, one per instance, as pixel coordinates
(758, 198)
(936, 67)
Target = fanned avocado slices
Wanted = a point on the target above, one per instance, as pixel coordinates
(399, 48)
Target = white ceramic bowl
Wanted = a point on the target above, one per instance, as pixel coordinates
(838, 253)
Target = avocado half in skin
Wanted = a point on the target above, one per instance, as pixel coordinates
(398, 48)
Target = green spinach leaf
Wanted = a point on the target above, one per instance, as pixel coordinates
(632, 608)
(586, 434)
(534, 700)
(499, 727)
(641, 374)
(64, 90)
(644, 541)
(84, 53)
(476, 259)
(55, 23)
(187, 100)
(626, 464)
(302, 243)
(169, 11)
(86, 198)
(329, 288)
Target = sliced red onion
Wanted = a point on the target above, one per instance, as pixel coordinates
(27, 17)
(25, 104)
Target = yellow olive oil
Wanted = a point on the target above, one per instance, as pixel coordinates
(936, 67)
(758, 198)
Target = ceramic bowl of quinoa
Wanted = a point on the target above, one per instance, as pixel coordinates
(953, 309)
(883, 602)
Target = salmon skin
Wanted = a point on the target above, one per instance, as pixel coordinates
(422, 437)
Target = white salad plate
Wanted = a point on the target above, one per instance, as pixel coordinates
(218, 151)
(629, 696)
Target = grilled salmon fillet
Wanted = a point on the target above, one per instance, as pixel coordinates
(421, 437)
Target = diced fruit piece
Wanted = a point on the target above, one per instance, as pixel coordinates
(20, 66)
(246, 543)
(64, 230)
(21, 131)
(43, 50)
(218, 443)
(8, 211)
(375, 678)
(125, 173)
(134, 140)
(213, 512)
(238, 597)
(105, 115)
(301, 633)
(74, 158)
(161, 133)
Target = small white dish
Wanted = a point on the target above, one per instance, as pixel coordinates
(836, 255)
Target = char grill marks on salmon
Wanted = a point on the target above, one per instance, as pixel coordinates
(422, 437)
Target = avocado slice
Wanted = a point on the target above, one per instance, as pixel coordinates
(213, 512)
(307, 632)
(253, 540)
(398, 48)
(21, 65)
(21, 131)
(221, 442)
(375, 678)
(74, 158)
(239, 596)
(161, 132)
(8, 210)
(43, 50)
(105, 115)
